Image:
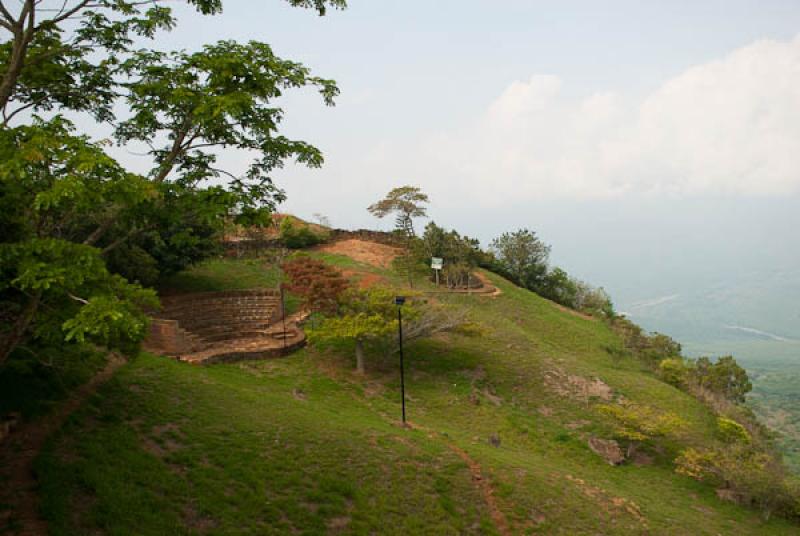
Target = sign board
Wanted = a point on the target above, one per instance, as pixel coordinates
(437, 263)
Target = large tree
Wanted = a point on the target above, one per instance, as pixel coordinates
(523, 255)
(69, 211)
(406, 203)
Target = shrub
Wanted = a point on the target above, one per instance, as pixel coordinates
(319, 285)
(296, 236)
(724, 377)
(638, 423)
(673, 371)
(743, 474)
(731, 431)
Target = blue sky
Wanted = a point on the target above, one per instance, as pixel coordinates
(655, 145)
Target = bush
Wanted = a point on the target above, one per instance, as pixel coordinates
(743, 474)
(731, 431)
(637, 422)
(318, 284)
(674, 371)
(296, 236)
(724, 377)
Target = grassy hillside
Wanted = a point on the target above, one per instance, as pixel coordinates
(304, 445)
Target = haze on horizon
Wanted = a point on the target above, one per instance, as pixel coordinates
(655, 147)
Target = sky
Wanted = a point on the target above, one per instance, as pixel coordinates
(655, 145)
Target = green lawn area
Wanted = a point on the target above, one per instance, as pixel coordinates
(228, 274)
(224, 274)
(304, 445)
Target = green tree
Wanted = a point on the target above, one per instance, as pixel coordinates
(522, 255)
(64, 55)
(725, 377)
(366, 317)
(53, 185)
(461, 254)
(70, 212)
(558, 286)
(406, 203)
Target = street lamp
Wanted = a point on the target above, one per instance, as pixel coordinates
(399, 301)
(283, 314)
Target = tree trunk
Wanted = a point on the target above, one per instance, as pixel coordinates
(17, 333)
(175, 151)
(360, 357)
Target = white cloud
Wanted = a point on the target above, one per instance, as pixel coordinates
(730, 126)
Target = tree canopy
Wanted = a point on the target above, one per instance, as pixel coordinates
(79, 228)
(406, 203)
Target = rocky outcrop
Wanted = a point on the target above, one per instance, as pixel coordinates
(608, 449)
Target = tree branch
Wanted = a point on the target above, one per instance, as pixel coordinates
(6, 14)
(17, 333)
(177, 148)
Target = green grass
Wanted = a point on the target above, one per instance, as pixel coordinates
(224, 274)
(229, 274)
(303, 445)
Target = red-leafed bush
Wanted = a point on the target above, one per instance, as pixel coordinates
(317, 283)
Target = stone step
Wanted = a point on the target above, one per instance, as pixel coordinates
(168, 312)
(177, 300)
(224, 327)
(244, 349)
(195, 324)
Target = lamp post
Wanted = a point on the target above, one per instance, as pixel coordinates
(283, 315)
(399, 301)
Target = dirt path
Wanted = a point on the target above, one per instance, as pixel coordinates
(483, 485)
(17, 453)
(486, 281)
(499, 519)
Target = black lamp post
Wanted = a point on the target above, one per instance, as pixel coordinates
(399, 301)
(283, 314)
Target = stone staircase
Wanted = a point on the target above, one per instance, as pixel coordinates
(213, 327)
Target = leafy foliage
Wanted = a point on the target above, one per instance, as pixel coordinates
(71, 213)
(296, 235)
(72, 295)
(319, 285)
(523, 258)
(639, 422)
(523, 255)
(407, 203)
(731, 431)
(461, 254)
(725, 377)
(744, 474)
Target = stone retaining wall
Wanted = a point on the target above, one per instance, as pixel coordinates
(381, 237)
(192, 322)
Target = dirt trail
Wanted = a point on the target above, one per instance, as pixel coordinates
(17, 453)
(481, 483)
(499, 519)
(487, 282)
